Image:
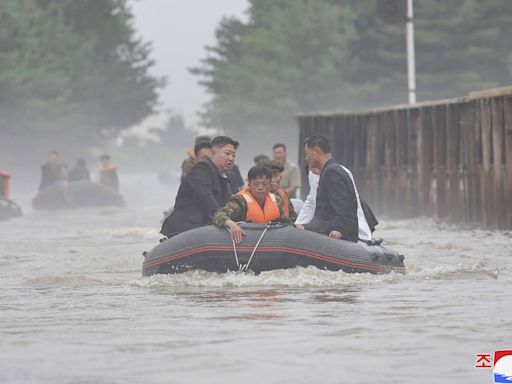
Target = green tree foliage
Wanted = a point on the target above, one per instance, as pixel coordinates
(72, 69)
(292, 56)
(285, 59)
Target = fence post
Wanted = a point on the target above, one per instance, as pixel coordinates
(488, 206)
(498, 136)
(455, 188)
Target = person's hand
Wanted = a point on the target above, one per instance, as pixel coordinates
(299, 226)
(235, 230)
(335, 234)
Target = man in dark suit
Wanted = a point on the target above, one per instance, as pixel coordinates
(336, 201)
(203, 190)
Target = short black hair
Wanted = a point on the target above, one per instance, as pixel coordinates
(81, 161)
(202, 138)
(279, 145)
(105, 157)
(53, 152)
(220, 141)
(201, 145)
(320, 141)
(274, 166)
(259, 171)
(260, 158)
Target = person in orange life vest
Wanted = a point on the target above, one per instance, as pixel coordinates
(277, 169)
(4, 185)
(253, 204)
(108, 173)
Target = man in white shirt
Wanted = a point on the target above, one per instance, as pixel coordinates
(308, 208)
(307, 212)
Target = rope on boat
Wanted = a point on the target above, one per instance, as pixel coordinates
(236, 255)
(246, 266)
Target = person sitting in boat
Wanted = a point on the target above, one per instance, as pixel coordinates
(254, 204)
(108, 173)
(277, 169)
(203, 190)
(50, 170)
(79, 171)
(337, 200)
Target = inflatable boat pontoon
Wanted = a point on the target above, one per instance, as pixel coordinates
(8, 209)
(264, 248)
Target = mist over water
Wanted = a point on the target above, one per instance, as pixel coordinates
(74, 307)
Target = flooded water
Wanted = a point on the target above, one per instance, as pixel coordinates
(75, 309)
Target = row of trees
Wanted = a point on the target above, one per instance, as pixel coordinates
(71, 71)
(293, 56)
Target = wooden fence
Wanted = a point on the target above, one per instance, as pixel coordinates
(450, 159)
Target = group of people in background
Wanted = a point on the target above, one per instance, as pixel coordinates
(212, 190)
(54, 172)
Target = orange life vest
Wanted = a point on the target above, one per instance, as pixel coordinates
(4, 182)
(255, 213)
(284, 197)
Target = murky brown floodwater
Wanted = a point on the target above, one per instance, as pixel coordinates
(75, 309)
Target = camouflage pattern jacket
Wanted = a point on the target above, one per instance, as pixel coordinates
(236, 210)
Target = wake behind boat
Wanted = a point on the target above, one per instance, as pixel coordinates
(274, 246)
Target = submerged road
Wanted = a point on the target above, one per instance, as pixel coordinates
(75, 309)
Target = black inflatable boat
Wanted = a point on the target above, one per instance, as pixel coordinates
(8, 209)
(77, 194)
(265, 248)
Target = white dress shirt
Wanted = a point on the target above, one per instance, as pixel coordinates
(308, 208)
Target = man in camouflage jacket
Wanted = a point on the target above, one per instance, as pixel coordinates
(236, 209)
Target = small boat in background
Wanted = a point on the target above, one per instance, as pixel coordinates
(75, 194)
(8, 208)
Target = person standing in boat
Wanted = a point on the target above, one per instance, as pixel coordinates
(291, 175)
(308, 208)
(201, 151)
(277, 168)
(192, 158)
(203, 190)
(108, 173)
(235, 178)
(365, 216)
(50, 170)
(336, 201)
(254, 204)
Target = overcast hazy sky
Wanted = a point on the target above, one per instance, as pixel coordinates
(179, 30)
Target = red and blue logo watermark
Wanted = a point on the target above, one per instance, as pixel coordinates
(501, 364)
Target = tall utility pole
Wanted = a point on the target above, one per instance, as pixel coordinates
(411, 64)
